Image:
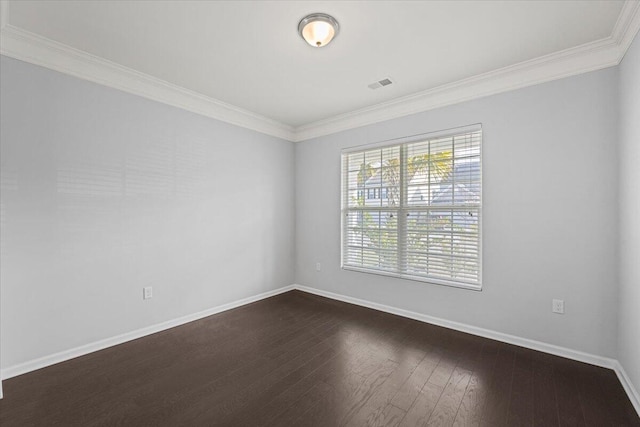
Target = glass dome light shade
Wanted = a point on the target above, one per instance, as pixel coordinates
(318, 29)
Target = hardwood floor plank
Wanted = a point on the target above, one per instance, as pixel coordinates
(368, 388)
(377, 405)
(447, 407)
(496, 408)
(389, 416)
(423, 406)
(295, 415)
(282, 401)
(521, 399)
(408, 392)
(472, 406)
(545, 402)
(569, 407)
(330, 408)
(443, 371)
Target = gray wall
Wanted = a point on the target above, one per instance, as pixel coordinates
(629, 317)
(550, 212)
(105, 192)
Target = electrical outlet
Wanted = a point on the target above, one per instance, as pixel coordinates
(147, 292)
(318, 266)
(557, 306)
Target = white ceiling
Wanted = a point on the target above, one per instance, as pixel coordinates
(248, 54)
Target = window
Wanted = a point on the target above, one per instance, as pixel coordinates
(427, 224)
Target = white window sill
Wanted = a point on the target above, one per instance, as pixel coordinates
(473, 287)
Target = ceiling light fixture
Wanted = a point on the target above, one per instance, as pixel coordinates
(318, 29)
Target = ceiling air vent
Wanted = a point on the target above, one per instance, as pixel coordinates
(380, 83)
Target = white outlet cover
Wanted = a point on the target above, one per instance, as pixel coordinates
(318, 266)
(557, 306)
(147, 292)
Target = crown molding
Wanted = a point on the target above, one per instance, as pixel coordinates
(29, 47)
(591, 56)
(627, 26)
(607, 52)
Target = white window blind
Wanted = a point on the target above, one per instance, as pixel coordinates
(414, 209)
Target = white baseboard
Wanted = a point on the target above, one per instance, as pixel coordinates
(568, 353)
(62, 356)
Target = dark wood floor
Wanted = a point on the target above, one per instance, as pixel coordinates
(301, 360)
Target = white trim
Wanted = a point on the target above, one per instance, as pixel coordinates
(470, 329)
(627, 26)
(476, 127)
(26, 46)
(633, 394)
(607, 52)
(62, 356)
(402, 143)
(403, 276)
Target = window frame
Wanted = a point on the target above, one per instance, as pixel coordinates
(344, 206)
